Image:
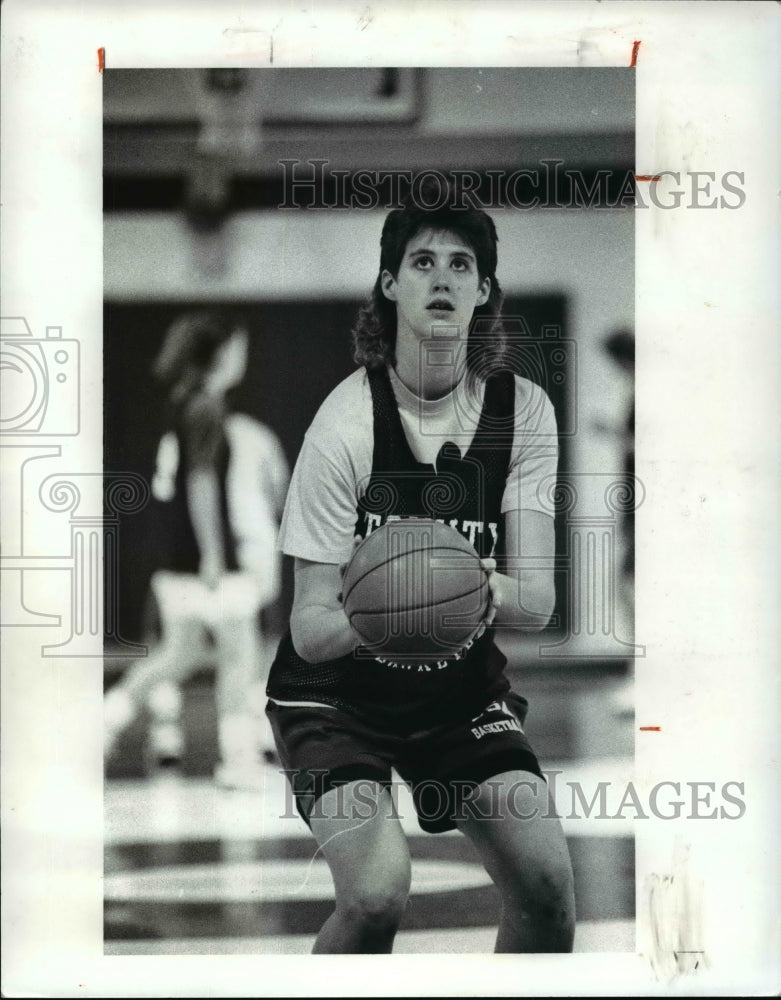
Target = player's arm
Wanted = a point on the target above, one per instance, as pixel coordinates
(202, 430)
(318, 625)
(274, 472)
(524, 593)
(318, 527)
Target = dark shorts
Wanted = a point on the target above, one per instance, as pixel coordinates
(324, 748)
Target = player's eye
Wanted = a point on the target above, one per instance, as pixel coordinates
(461, 264)
(423, 262)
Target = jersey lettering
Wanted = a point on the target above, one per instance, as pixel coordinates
(504, 726)
(372, 521)
(471, 530)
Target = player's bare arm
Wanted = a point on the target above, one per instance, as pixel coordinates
(319, 627)
(524, 596)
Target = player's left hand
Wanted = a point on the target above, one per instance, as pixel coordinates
(489, 565)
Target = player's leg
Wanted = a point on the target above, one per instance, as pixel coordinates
(175, 657)
(511, 821)
(165, 733)
(239, 729)
(339, 769)
(165, 739)
(361, 838)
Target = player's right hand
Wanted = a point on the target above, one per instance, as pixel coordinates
(342, 568)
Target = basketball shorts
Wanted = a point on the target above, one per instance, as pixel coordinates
(322, 748)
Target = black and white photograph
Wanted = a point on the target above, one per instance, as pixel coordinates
(248, 216)
(387, 476)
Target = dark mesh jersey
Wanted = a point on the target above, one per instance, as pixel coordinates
(199, 428)
(463, 491)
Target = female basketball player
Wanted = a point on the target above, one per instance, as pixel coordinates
(221, 480)
(432, 424)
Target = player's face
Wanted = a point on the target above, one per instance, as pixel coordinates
(437, 288)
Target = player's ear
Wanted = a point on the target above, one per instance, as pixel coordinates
(483, 291)
(388, 285)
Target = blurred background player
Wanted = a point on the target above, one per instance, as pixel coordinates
(221, 480)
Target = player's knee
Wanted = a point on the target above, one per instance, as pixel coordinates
(556, 893)
(379, 908)
(546, 889)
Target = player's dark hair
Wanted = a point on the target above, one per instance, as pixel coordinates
(188, 350)
(374, 334)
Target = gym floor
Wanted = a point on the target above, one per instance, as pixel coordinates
(191, 868)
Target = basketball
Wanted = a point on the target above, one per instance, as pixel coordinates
(414, 588)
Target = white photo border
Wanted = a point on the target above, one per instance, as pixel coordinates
(707, 451)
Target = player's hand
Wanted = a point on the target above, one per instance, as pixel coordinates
(211, 570)
(356, 542)
(495, 601)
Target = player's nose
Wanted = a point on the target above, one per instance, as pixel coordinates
(441, 281)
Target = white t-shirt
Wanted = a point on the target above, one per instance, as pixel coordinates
(255, 485)
(335, 462)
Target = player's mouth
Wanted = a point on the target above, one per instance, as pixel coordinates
(440, 305)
